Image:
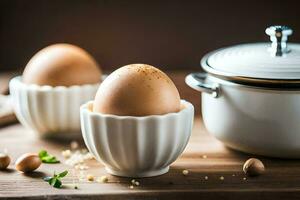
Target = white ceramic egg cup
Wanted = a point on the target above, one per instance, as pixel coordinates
(50, 111)
(136, 146)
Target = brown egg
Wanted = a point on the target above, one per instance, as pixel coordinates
(28, 162)
(4, 161)
(62, 65)
(137, 90)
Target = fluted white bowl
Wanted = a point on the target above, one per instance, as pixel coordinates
(136, 146)
(50, 111)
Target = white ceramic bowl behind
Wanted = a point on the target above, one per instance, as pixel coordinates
(50, 111)
(137, 146)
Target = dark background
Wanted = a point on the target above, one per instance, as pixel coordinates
(168, 34)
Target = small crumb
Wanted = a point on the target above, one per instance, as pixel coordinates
(206, 177)
(77, 158)
(102, 179)
(185, 172)
(66, 153)
(233, 174)
(84, 151)
(244, 178)
(90, 177)
(134, 182)
(83, 167)
(71, 185)
(131, 187)
(204, 156)
(77, 167)
(74, 145)
(137, 183)
(222, 178)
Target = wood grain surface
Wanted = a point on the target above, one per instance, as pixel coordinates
(204, 156)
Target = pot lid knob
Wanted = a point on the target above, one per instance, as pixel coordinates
(279, 36)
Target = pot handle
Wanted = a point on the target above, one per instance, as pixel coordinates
(197, 82)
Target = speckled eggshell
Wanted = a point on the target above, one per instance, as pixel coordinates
(62, 65)
(137, 90)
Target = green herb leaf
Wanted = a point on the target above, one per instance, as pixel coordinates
(63, 174)
(47, 158)
(55, 181)
(52, 181)
(42, 153)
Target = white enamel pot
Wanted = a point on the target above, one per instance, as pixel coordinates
(254, 114)
(255, 120)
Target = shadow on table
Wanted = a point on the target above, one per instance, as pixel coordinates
(8, 170)
(34, 174)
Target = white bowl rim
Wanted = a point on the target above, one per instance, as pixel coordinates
(18, 80)
(188, 107)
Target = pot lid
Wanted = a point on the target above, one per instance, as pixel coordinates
(271, 62)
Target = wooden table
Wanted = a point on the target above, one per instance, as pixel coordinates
(204, 156)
